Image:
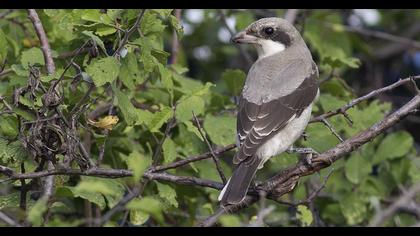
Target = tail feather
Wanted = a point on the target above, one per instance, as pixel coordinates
(236, 188)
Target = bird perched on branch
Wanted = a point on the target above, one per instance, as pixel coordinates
(276, 101)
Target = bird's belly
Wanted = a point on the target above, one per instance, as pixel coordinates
(285, 138)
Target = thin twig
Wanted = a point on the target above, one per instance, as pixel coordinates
(343, 109)
(403, 200)
(214, 157)
(129, 32)
(194, 158)
(329, 126)
(45, 45)
(9, 220)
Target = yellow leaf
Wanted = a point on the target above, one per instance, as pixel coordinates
(108, 122)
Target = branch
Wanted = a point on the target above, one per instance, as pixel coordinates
(9, 220)
(45, 45)
(129, 33)
(213, 155)
(343, 109)
(194, 159)
(175, 41)
(402, 201)
(286, 180)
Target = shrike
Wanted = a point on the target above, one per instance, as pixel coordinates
(276, 101)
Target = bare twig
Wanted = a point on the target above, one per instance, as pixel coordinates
(343, 109)
(329, 126)
(129, 32)
(175, 41)
(194, 159)
(9, 220)
(402, 201)
(214, 157)
(45, 45)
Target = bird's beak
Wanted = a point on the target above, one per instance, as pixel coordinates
(243, 37)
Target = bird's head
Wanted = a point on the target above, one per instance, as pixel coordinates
(268, 35)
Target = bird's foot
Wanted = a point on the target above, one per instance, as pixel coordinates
(310, 153)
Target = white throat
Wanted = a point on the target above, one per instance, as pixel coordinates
(266, 47)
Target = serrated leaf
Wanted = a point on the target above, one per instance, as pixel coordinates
(304, 215)
(150, 23)
(130, 113)
(193, 129)
(221, 129)
(95, 38)
(130, 73)
(357, 168)
(186, 107)
(169, 150)
(147, 205)
(234, 80)
(103, 70)
(93, 197)
(138, 217)
(137, 163)
(393, 146)
(168, 193)
(32, 56)
(9, 126)
(177, 26)
(159, 118)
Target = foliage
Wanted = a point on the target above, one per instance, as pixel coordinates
(144, 92)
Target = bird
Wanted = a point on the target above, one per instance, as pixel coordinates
(276, 101)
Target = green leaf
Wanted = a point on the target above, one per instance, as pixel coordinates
(3, 47)
(12, 152)
(147, 205)
(234, 80)
(186, 107)
(151, 24)
(169, 150)
(10, 200)
(230, 221)
(353, 208)
(393, 146)
(159, 118)
(221, 129)
(35, 214)
(130, 73)
(357, 168)
(104, 70)
(168, 193)
(32, 56)
(95, 38)
(138, 217)
(93, 197)
(137, 163)
(129, 112)
(304, 215)
(177, 26)
(9, 126)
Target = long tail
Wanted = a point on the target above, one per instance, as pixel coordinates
(236, 188)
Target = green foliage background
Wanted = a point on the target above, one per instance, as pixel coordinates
(359, 183)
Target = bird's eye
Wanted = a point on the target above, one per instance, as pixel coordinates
(269, 30)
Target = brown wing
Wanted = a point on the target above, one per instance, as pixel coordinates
(258, 123)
